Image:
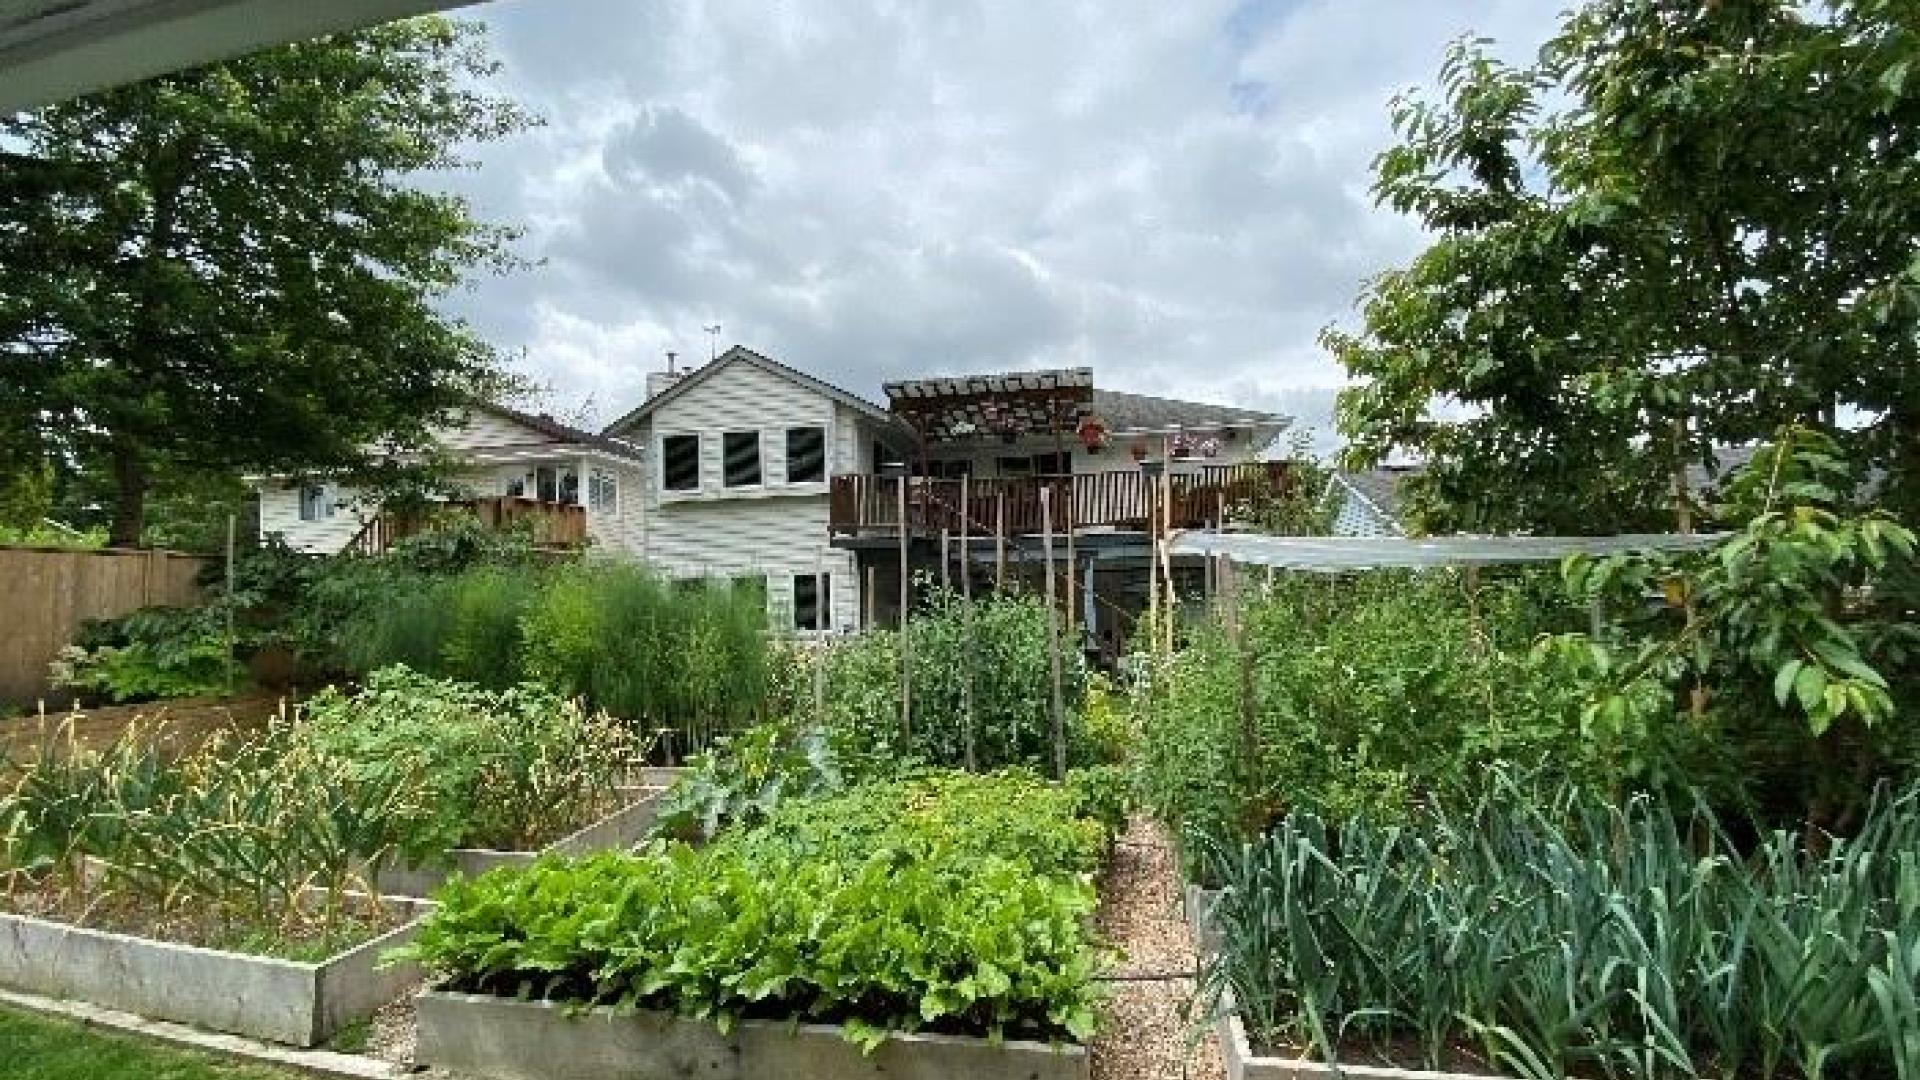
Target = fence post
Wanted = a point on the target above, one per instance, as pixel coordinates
(906, 645)
(966, 617)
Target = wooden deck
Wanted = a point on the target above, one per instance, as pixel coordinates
(553, 524)
(867, 505)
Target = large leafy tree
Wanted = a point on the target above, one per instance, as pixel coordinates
(1687, 224)
(237, 268)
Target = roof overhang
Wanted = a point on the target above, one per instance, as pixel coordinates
(52, 50)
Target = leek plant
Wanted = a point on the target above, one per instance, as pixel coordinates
(1570, 935)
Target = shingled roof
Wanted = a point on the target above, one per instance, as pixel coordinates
(1139, 412)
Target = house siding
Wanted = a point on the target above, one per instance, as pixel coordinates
(280, 515)
(775, 530)
(486, 431)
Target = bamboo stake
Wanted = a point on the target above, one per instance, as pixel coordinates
(872, 591)
(966, 619)
(945, 555)
(1072, 596)
(1153, 559)
(906, 644)
(1053, 640)
(1166, 557)
(820, 649)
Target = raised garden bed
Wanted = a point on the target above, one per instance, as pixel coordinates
(288, 1001)
(619, 829)
(506, 1039)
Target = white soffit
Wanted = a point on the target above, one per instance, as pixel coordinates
(52, 50)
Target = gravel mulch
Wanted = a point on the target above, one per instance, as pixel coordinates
(1147, 1031)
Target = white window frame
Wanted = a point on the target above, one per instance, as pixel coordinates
(319, 498)
(603, 491)
(822, 604)
(699, 470)
(759, 455)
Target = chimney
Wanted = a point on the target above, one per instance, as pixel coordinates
(659, 382)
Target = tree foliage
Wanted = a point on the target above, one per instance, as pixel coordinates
(1683, 226)
(235, 268)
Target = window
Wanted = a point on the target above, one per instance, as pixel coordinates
(680, 462)
(1050, 465)
(884, 455)
(812, 602)
(556, 484)
(315, 502)
(1021, 465)
(958, 469)
(603, 492)
(740, 458)
(515, 487)
(806, 455)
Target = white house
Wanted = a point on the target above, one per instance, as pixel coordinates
(747, 469)
(581, 484)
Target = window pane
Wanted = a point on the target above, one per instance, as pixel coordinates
(603, 492)
(680, 462)
(806, 455)
(1016, 466)
(569, 486)
(740, 455)
(1049, 465)
(546, 484)
(812, 610)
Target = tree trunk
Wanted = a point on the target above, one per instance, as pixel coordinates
(130, 483)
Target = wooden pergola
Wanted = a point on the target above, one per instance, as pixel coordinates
(1011, 405)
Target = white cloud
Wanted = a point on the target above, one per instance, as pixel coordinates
(1173, 193)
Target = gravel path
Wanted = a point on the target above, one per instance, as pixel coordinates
(1146, 1032)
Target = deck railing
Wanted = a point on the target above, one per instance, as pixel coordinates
(866, 504)
(552, 524)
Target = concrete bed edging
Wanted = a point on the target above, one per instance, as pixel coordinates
(1237, 1049)
(621, 828)
(284, 1001)
(507, 1039)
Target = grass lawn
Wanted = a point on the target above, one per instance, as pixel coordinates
(40, 1048)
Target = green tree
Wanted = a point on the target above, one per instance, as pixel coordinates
(235, 268)
(1685, 225)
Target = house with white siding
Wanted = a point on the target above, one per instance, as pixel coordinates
(741, 456)
(750, 471)
(576, 486)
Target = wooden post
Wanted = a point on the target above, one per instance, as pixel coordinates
(870, 596)
(1000, 540)
(966, 619)
(1153, 560)
(1166, 556)
(906, 644)
(822, 619)
(1072, 621)
(945, 555)
(1053, 639)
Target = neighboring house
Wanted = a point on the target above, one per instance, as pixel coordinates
(576, 484)
(747, 470)
(741, 455)
(1368, 503)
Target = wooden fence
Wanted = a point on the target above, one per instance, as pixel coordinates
(46, 593)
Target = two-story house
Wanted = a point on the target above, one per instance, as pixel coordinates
(746, 469)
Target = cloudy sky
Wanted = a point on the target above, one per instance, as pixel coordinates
(1173, 193)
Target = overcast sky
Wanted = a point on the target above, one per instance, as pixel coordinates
(1174, 193)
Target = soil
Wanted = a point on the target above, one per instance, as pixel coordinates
(1149, 1029)
(305, 937)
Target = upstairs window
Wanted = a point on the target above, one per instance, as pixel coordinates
(812, 601)
(806, 455)
(680, 462)
(740, 456)
(1050, 465)
(316, 503)
(603, 492)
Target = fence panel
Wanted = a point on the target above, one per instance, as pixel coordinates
(45, 594)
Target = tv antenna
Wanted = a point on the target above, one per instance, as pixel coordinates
(713, 340)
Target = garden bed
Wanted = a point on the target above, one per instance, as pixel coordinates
(297, 1002)
(619, 829)
(483, 1035)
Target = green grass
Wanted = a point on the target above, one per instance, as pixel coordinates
(39, 1048)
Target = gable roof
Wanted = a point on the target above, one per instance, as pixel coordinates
(740, 354)
(562, 433)
(1139, 412)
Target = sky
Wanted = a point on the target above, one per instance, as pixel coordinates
(1175, 194)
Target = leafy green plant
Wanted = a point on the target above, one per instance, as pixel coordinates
(746, 776)
(811, 916)
(512, 769)
(1551, 932)
(153, 653)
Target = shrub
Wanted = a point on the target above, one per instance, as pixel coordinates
(1572, 934)
(513, 769)
(153, 653)
(807, 918)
